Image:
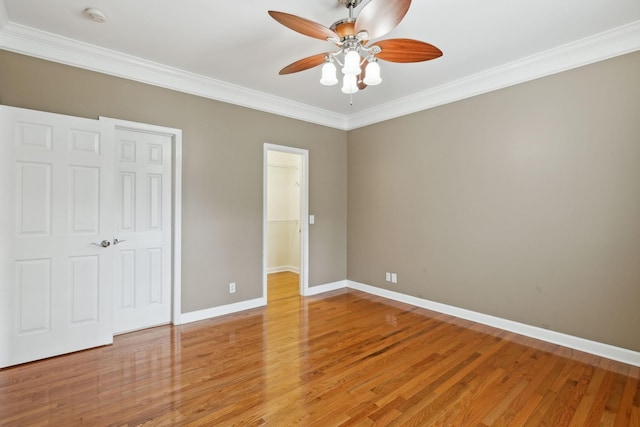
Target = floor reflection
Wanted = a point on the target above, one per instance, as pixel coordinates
(340, 357)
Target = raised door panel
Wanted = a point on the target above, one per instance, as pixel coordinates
(127, 206)
(155, 275)
(33, 199)
(84, 200)
(83, 141)
(33, 296)
(154, 208)
(85, 289)
(126, 280)
(34, 135)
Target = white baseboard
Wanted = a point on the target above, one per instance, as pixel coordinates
(283, 268)
(593, 347)
(209, 313)
(319, 289)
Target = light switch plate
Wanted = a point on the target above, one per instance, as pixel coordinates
(312, 219)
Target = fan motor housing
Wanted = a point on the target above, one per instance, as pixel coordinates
(344, 27)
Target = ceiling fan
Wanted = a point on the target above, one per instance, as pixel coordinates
(358, 58)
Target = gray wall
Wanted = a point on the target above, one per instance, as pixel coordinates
(222, 171)
(523, 203)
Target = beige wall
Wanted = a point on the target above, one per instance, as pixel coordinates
(222, 217)
(523, 203)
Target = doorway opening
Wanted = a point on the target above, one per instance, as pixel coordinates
(285, 229)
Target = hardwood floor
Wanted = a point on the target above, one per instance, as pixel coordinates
(342, 358)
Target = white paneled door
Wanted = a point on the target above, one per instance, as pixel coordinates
(56, 230)
(85, 232)
(143, 230)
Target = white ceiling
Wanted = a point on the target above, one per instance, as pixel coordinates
(233, 51)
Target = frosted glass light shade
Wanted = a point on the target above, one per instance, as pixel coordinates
(351, 63)
(349, 84)
(372, 74)
(328, 74)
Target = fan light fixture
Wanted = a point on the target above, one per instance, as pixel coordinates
(358, 59)
(351, 68)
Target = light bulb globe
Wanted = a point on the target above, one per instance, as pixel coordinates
(349, 84)
(372, 74)
(351, 63)
(328, 74)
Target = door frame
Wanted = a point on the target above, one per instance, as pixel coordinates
(176, 203)
(304, 214)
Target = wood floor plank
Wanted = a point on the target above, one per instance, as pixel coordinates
(342, 358)
(623, 414)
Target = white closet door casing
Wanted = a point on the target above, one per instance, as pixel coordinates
(56, 195)
(142, 295)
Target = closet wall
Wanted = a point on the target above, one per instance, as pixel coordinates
(283, 212)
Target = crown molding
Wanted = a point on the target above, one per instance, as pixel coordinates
(4, 16)
(615, 42)
(29, 41)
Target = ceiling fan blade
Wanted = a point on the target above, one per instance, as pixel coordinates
(379, 17)
(406, 50)
(304, 64)
(303, 26)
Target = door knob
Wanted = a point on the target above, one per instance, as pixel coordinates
(104, 244)
(116, 241)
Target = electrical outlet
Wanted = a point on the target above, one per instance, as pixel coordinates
(232, 287)
(387, 276)
(394, 278)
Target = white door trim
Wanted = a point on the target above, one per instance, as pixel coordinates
(176, 135)
(304, 215)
